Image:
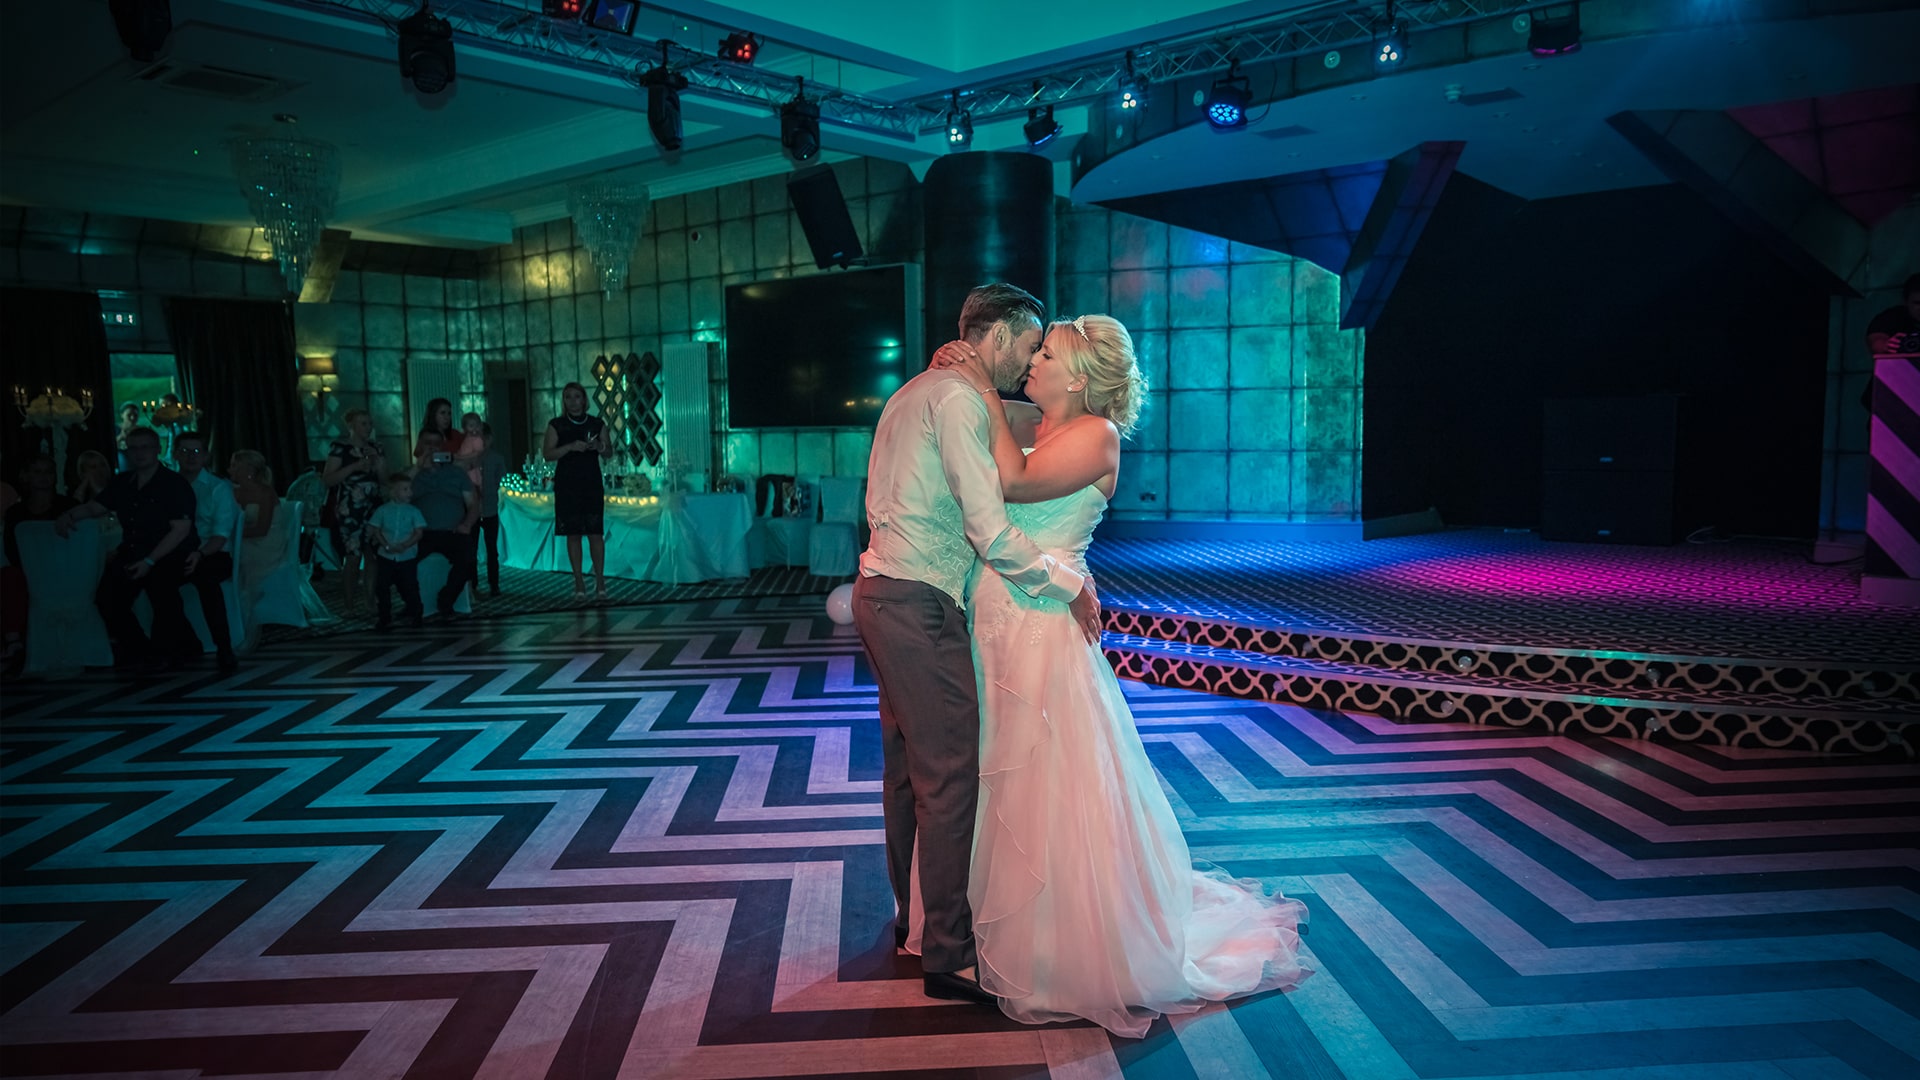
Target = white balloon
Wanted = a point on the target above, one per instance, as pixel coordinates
(840, 605)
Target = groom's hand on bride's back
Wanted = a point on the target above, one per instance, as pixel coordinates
(1086, 612)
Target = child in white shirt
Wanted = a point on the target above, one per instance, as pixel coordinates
(394, 531)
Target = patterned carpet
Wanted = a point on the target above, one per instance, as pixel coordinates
(1749, 599)
(644, 842)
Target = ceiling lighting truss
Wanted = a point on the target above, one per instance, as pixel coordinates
(517, 28)
(1301, 34)
(520, 29)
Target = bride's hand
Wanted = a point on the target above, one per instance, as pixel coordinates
(1086, 612)
(966, 359)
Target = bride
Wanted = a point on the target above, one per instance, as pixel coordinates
(1086, 902)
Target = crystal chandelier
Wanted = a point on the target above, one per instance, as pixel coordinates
(607, 217)
(290, 184)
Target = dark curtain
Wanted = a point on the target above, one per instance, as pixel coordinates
(53, 338)
(240, 372)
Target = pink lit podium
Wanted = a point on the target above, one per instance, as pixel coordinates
(1892, 573)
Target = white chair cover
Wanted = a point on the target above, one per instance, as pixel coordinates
(277, 598)
(64, 629)
(833, 547)
(433, 576)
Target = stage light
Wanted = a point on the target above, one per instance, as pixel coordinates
(800, 125)
(663, 86)
(1554, 35)
(1227, 101)
(1133, 89)
(740, 48)
(426, 50)
(959, 126)
(615, 15)
(143, 25)
(564, 10)
(1391, 47)
(1041, 127)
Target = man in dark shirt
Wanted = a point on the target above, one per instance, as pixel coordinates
(444, 496)
(156, 509)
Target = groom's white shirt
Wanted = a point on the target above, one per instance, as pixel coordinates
(934, 500)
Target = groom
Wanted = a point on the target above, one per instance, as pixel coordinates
(934, 504)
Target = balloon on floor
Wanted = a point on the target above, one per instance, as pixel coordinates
(840, 605)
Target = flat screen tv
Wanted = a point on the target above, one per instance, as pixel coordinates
(821, 351)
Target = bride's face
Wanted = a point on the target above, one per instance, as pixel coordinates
(1049, 379)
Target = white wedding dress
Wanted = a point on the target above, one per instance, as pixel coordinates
(1086, 902)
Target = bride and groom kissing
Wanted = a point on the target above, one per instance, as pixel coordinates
(1053, 878)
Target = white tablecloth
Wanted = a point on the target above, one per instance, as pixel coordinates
(676, 539)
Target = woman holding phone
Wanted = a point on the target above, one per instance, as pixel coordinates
(575, 442)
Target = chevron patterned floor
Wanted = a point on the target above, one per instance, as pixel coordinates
(644, 842)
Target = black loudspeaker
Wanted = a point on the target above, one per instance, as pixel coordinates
(822, 211)
(1609, 470)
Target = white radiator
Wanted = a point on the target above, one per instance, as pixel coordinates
(687, 434)
(430, 377)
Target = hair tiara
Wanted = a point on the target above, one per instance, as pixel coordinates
(1080, 324)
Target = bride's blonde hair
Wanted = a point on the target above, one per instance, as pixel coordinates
(1098, 349)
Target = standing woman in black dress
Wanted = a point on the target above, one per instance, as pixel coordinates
(575, 442)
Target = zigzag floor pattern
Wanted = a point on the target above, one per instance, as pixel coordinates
(645, 842)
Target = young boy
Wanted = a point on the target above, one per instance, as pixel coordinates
(395, 530)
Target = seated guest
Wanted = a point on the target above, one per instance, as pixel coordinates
(393, 535)
(39, 503)
(156, 509)
(446, 499)
(94, 473)
(263, 539)
(211, 565)
(486, 467)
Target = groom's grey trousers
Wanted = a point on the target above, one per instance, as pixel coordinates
(917, 641)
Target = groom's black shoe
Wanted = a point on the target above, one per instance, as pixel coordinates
(951, 987)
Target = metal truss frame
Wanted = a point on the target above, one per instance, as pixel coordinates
(1324, 29)
(517, 27)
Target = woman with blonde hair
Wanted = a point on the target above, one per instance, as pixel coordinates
(263, 538)
(1086, 901)
(92, 473)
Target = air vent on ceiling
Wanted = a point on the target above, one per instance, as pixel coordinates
(211, 81)
(1488, 97)
(1291, 131)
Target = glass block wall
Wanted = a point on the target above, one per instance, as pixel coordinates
(1255, 405)
(536, 311)
(1254, 410)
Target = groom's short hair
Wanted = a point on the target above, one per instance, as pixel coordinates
(999, 302)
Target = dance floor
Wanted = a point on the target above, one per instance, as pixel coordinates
(645, 842)
(1752, 599)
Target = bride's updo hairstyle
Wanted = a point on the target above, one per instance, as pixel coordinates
(1098, 349)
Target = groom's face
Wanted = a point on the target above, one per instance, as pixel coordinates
(1013, 354)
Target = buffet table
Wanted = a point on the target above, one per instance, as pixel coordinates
(673, 539)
